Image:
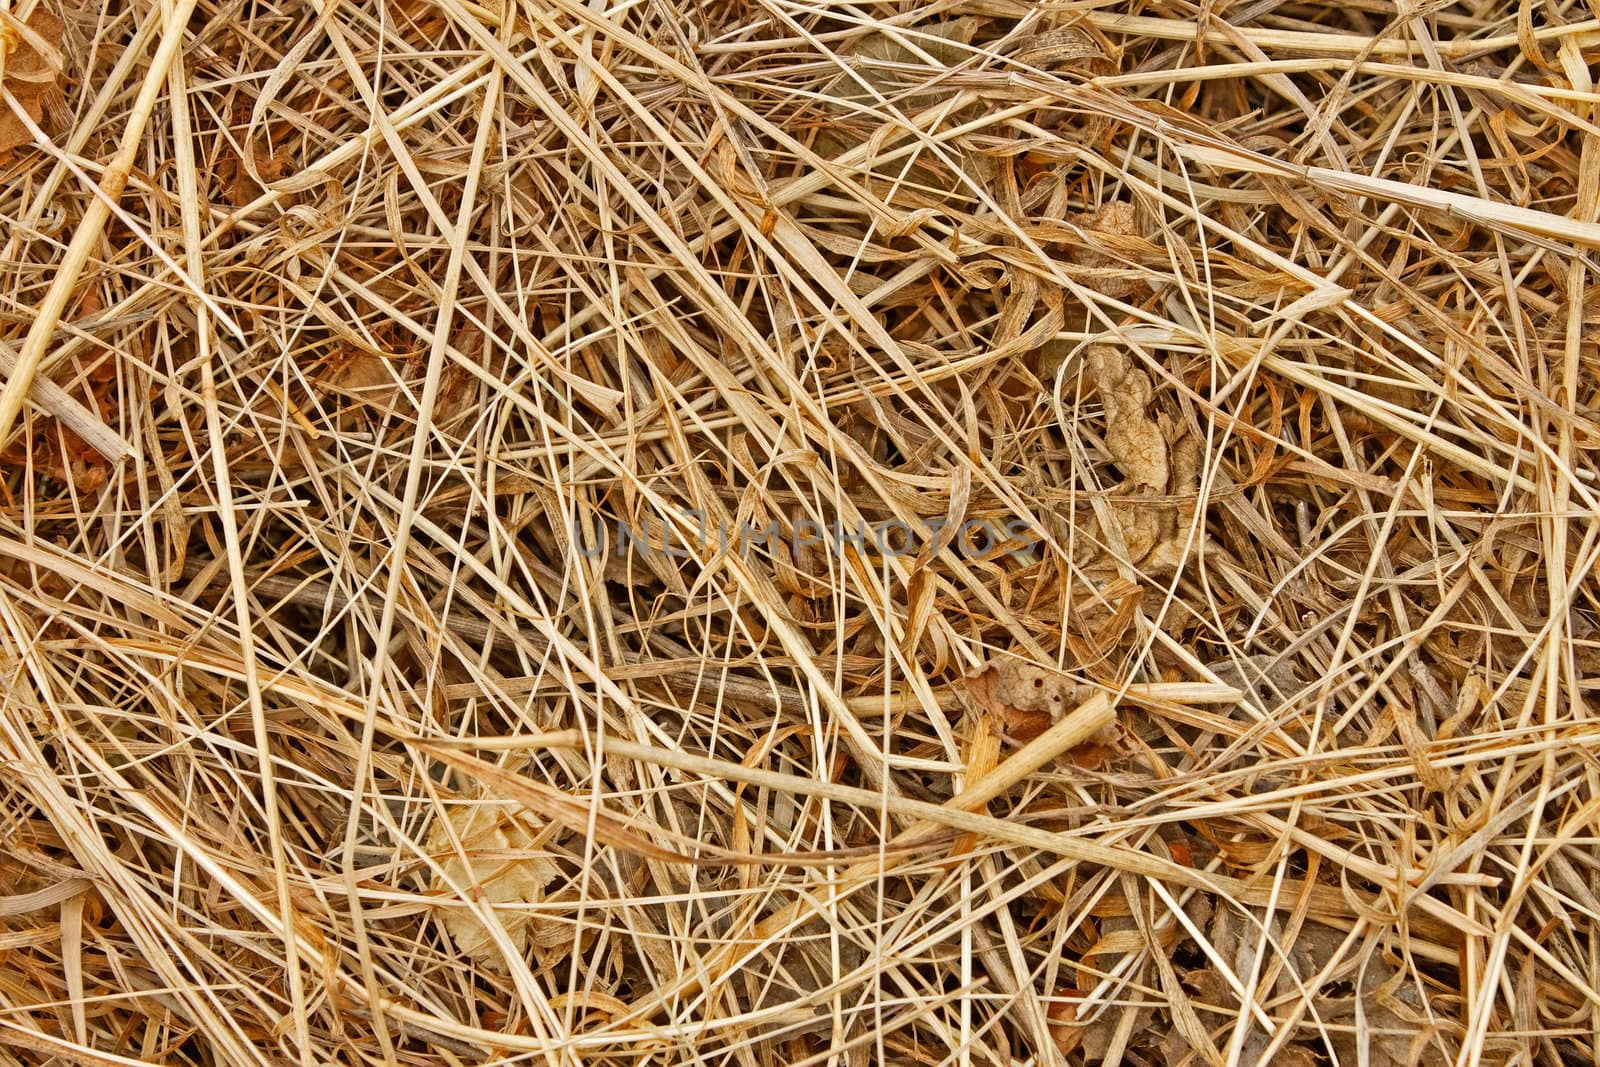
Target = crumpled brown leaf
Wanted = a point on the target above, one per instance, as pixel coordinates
(367, 378)
(1028, 699)
(1157, 461)
(1119, 936)
(1268, 678)
(32, 67)
(501, 867)
(873, 56)
(1132, 434)
(1112, 227)
(902, 69)
(1394, 1027)
(1143, 521)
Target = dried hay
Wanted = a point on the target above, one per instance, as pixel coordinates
(447, 454)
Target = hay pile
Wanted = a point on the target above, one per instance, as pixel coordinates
(752, 532)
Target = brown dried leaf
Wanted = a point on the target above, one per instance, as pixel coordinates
(1111, 228)
(1394, 1027)
(1065, 1030)
(1157, 460)
(368, 378)
(1269, 679)
(245, 183)
(876, 54)
(1133, 436)
(575, 813)
(30, 74)
(1028, 699)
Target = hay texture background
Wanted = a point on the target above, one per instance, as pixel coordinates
(340, 342)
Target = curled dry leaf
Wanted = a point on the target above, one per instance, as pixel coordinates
(1026, 698)
(1068, 46)
(1065, 1030)
(1159, 463)
(1132, 434)
(1384, 1021)
(899, 70)
(1393, 1027)
(32, 66)
(1120, 937)
(875, 57)
(367, 379)
(1111, 229)
(499, 864)
(1269, 679)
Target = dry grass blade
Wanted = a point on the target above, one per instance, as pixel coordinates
(743, 532)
